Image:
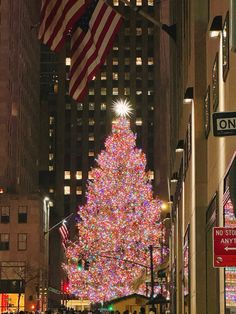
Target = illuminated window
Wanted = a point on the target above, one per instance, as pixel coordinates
(51, 190)
(78, 190)
(116, 3)
(138, 61)
(68, 61)
(55, 88)
(50, 168)
(51, 120)
(79, 107)
(138, 2)
(91, 121)
(4, 241)
(151, 175)
(103, 91)
(115, 91)
(138, 31)
(22, 241)
(115, 48)
(5, 214)
(51, 156)
(90, 177)
(91, 153)
(67, 175)
(127, 91)
(67, 190)
(115, 76)
(91, 106)
(91, 91)
(139, 92)
(103, 106)
(78, 175)
(127, 75)
(150, 61)
(150, 2)
(138, 122)
(103, 76)
(91, 138)
(150, 92)
(115, 61)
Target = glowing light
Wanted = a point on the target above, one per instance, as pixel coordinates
(122, 108)
(119, 221)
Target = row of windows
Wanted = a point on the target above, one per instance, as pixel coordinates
(80, 106)
(5, 241)
(5, 214)
(127, 61)
(115, 91)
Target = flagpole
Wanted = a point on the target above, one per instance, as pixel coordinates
(170, 30)
(57, 224)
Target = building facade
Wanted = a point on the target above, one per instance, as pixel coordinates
(202, 163)
(23, 271)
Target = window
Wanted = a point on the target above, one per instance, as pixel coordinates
(127, 31)
(186, 269)
(115, 91)
(78, 175)
(67, 175)
(91, 153)
(139, 121)
(103, 107)
(138, 31)
(51, 156)
(103, 76)
(91, 106)
(50, 168)
(90, 177)
(115, 61)
(150, 2)
(68, 61)
(151, 175)
(127, 76)
(150, 31)
(116, 3)
(91, 91)
(68, 106)
(115, 76)
(150, 61)
(138, 61)
(91, 122)
(103, 91)
(22, 241)
(79, 190)
(91, 138)
(79, 107)
(5, 214)
(66, 190)
(22, 214)
(127, 61)
(4, 241)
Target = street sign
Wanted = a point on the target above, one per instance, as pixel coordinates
(224, 123)
(224, 247)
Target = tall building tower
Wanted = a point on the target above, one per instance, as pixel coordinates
(23, 213)
(74, 133)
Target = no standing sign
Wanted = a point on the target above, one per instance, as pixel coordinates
(224, 246)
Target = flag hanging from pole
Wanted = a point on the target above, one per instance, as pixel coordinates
(92, 38)
(57, 17)
(64, 234)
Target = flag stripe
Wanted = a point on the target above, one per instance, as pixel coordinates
(57, 17)
(88, 51)
(64, 233)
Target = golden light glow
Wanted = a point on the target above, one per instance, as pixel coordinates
(122, 108)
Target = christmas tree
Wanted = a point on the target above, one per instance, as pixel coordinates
(118, 223)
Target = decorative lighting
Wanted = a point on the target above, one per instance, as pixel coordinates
(180, 146)
(174, 178)
(122, 108)
(216, 26)
(188, 96)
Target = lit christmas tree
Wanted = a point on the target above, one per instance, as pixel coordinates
(118, 223)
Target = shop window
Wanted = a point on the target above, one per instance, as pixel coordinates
(230, 221)
(5, 214)
(4, 241)
(212, 274)
(22, 214)
(186, 270)
(22, 241)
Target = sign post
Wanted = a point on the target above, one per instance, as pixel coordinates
(224, 247)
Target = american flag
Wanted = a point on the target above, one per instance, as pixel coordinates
(57, 17)
(91, 41)
(64, 234)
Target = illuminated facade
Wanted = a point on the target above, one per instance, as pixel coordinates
(203, 70)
